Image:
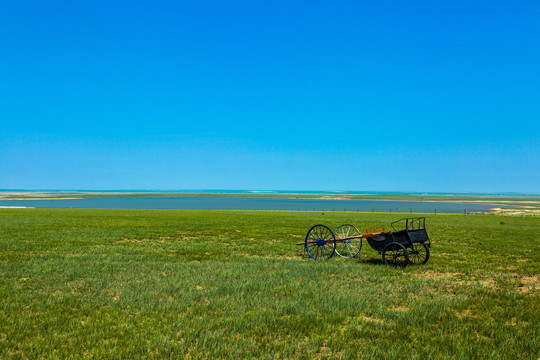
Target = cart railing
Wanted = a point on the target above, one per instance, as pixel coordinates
(409, 224)
(375, 229)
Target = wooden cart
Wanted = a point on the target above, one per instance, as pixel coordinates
(407, 243)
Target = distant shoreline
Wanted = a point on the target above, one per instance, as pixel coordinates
(497, 204)
(265, 192)
(498, 201)
(17, 207)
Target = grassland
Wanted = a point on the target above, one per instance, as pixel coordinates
(232, 284)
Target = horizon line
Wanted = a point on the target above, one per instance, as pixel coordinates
(275, 191)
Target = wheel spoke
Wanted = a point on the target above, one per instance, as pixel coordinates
(345, 248)
(419, 254)
(395, 254)
(326, 251)
(323, 249)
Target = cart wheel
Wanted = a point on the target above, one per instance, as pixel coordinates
(348, 248)
(395, 254)
(419, 254)
(320, 243)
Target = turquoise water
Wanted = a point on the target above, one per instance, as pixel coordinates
(239, 203)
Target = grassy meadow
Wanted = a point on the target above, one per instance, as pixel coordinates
(232, 284)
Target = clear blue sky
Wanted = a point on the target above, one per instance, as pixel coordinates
(297, 95)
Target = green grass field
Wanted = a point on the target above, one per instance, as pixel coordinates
(232, 284)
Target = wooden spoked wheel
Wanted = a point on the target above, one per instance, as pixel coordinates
(419, 254)
(395, 254)
(320, 243)
(347, 248)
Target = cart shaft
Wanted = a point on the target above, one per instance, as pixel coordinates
(347, 238)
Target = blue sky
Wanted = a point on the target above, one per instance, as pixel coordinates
(292, 95)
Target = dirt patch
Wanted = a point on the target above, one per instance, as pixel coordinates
(487, 282)
(506, 267)
(141, 241)
(372, 320)
(402, 309)
(465, 314)
(126, 240)
(456, 278)
(430, 274)
(529, 284)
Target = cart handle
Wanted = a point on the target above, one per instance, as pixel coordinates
(368, 235)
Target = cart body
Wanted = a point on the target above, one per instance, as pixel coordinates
(412, 231)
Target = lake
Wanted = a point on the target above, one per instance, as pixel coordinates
(244, 203)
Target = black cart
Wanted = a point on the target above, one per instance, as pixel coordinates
(408, 242)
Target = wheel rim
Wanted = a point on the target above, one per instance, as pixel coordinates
(348, 248)
(395, 255)
(419, 254)
(320, 244)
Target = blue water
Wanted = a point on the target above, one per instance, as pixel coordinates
(240, 203)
